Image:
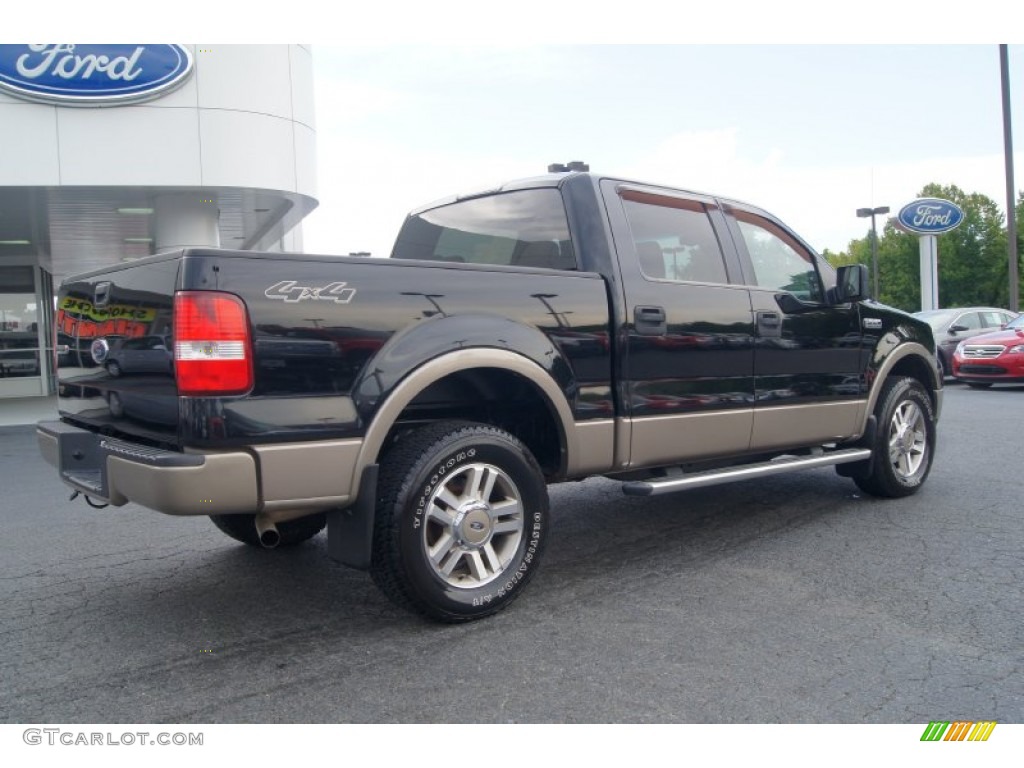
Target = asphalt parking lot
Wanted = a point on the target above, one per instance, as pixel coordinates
(790, 599)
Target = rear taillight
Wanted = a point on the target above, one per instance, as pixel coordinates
(212, 349)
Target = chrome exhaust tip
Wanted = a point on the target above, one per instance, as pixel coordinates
(267, 532)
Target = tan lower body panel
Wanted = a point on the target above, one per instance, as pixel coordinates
(307, 476)
(224, 484)
(658, 440)
(787, 426)
(594, 451)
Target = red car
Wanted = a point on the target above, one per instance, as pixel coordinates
(983, 360)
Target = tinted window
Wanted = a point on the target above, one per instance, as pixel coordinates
(995, 319)
(526, 228)
(969, 320)
(780, 262)
(674, 238)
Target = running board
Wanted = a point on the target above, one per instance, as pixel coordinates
(777, 466)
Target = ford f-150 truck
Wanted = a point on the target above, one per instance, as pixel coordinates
(549, 329)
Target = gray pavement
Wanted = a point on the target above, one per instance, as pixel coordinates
(790, 599)
(18, 411)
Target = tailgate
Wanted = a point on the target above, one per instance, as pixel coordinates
(115, 350)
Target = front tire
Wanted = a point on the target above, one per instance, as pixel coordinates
(461, 521)
(905, 442)
(243, 528)
(979, 384)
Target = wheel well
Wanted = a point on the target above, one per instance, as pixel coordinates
(917, 368)
(490, 396)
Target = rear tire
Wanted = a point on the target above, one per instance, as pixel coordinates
(243, 528)
(461, 521)
(905, 441)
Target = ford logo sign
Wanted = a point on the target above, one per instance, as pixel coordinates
(99, 350)
(930, 216)
(86, 75)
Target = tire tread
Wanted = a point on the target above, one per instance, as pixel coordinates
(399, 468)
(881, 481)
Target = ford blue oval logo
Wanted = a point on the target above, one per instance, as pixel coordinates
(99, 350)
(930, 216)
(67, 73)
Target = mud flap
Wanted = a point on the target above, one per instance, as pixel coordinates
(350, 530)
(867, 440)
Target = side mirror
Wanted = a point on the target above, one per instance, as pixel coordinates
(954, 329)
(851, 284)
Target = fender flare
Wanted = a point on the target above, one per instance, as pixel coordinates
(901, 352)
(453, 362)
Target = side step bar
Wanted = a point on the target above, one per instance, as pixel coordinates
(678, 482)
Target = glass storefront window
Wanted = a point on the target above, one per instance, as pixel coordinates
(19, 324)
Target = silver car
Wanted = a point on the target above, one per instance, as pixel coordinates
(145, 354)
(951, 326)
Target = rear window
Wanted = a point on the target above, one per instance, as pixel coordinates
(674, 238)
(526, 228)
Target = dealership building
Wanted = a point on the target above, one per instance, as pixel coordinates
(114, 152)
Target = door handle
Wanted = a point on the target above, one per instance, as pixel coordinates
(650, 321)
(769, 324)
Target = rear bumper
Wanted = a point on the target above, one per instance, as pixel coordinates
(114, 471)
(282, 480)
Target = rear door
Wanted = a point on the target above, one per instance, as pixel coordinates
(687, 362)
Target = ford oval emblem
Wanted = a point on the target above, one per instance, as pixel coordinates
(930, 216)
(86, 75)
(99, 350)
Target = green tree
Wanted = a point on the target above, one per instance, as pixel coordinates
(842, 258)
(899, 285)
(972, 258)
(899, 267)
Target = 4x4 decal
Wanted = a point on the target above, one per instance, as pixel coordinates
(288, 291)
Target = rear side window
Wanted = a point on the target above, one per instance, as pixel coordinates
(674, 238)
(995, 319)
(526, 228)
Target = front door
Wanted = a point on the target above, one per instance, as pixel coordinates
(808, 358)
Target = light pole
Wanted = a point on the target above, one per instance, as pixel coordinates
(1011, 190)
(872, 212)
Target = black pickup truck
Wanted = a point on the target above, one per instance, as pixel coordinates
(547, 330)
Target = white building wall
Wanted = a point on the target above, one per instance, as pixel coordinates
(229, 155)
(245, 118)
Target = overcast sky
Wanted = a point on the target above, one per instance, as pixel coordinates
(833, 116)
(809, 132)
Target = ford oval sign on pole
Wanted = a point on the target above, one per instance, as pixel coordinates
(92, 75)
(928, 217)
